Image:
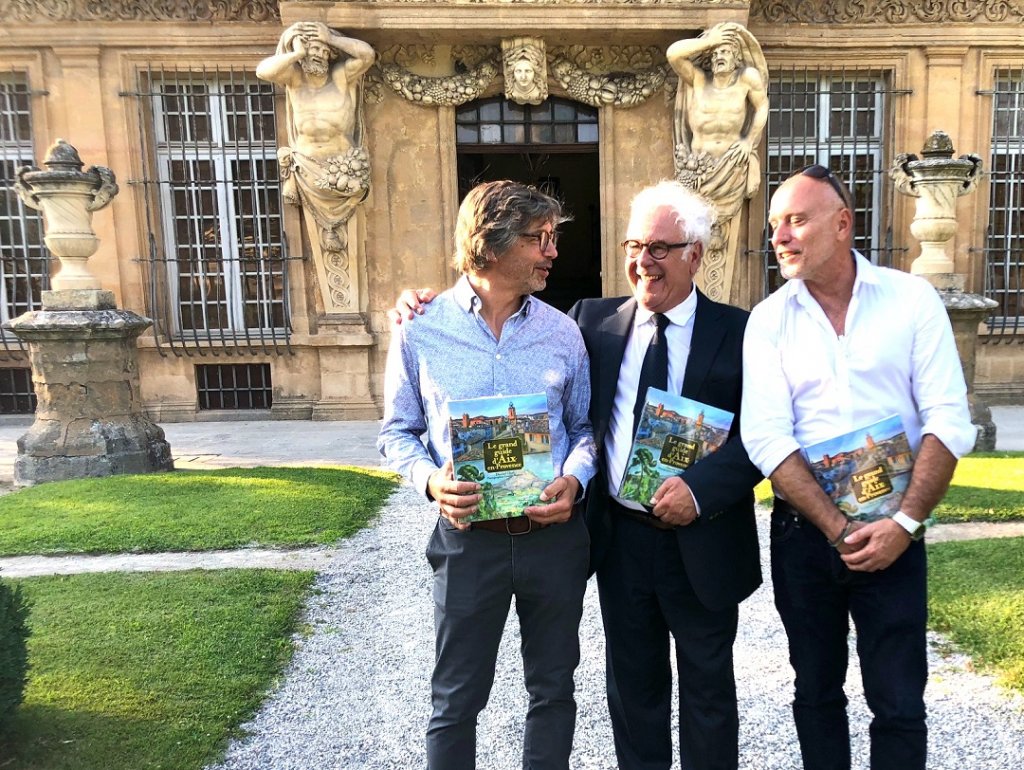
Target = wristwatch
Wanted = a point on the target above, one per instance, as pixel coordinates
(915, 528)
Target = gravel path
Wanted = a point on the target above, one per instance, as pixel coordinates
(356, 695)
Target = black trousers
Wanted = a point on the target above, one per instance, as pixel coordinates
(646, 597)
(816, 595)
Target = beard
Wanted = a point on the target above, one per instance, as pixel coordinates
(314, 68)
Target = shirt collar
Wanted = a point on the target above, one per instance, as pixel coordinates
(680, 315)
(467, 298)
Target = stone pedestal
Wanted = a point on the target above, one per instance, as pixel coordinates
(89, 419)
(966, 311)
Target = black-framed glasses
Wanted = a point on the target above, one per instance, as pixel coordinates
(818, 171)
(657, 249)
(543, 238)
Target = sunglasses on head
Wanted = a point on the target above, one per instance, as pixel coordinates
(817, 171)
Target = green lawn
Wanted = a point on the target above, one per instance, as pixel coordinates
(976, 597)
(987, 486)
(192, 510)
(136, 671)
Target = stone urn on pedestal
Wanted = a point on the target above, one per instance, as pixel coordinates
(89, 419)
(937, 180)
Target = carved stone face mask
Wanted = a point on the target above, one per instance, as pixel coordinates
(524, 74)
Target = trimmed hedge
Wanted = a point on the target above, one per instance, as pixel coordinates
(13, 649)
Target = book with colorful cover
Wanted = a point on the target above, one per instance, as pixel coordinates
(674, 432)
(502, 443)
(865, 471)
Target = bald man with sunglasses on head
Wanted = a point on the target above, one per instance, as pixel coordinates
(841, 346)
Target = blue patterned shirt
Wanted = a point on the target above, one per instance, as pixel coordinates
(450, 353)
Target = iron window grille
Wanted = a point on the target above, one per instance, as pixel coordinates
(1004, 234)
(842, 120)
(234, 386)
(24, 259)
(217, 262)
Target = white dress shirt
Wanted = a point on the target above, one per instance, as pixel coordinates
(803, 384)
(619, 439)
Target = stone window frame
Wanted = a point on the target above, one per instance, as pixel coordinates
(142, 199)
(225, 157)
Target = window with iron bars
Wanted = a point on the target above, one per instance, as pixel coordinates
(24, 260)
(1004, 238)
(218, 261)
(842, 120)
(234, 386)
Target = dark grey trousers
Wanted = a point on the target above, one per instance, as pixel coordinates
(476, 574)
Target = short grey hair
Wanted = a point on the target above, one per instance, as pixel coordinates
(694, 214)
(493, 215)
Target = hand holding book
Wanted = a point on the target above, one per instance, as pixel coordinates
(456, 499)
(674, 502)
(556, 501)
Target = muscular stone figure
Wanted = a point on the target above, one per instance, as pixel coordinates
(325, 169)
(721, 110)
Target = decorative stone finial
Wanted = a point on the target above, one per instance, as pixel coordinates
(936, 180)
(67, 196)
(938, 145)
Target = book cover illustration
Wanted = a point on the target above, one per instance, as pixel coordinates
(502, 443)
(673, 433)
(865, 471)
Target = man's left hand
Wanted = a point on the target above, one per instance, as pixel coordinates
(881, 543)
(673, 502)
(562, 491)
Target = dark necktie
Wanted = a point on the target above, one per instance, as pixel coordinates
(654, 372)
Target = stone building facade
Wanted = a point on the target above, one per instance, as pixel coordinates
(249, 321)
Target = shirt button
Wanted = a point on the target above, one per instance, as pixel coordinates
(498, 356)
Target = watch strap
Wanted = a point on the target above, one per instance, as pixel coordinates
(914, 528)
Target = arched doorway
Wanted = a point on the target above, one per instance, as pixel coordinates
(553, 146)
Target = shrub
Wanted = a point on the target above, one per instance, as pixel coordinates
(13, 649)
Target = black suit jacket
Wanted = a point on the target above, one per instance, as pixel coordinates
(719, 549)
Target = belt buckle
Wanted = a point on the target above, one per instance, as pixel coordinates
(526, 531)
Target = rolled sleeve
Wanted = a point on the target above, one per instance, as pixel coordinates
(938, 380)
(766, 414)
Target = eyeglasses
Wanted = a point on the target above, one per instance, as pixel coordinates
(657, 249)
(543, 238)
(817, 171)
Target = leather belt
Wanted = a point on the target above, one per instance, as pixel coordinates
(644, 518)
(514, 525)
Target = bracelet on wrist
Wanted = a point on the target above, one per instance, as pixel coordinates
(842, 535)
